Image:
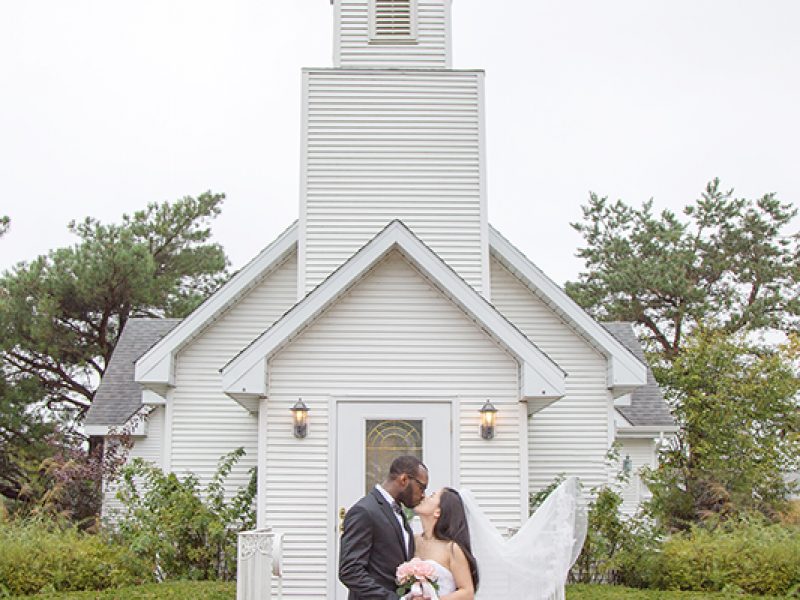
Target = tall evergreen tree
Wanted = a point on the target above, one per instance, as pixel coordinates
(62, 313)
(731, 263)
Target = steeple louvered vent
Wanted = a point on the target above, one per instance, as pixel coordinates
(393, 21)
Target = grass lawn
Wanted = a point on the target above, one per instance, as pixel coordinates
(176, 590)
(227, 591)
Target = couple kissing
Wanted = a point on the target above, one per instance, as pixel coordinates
(377, 539)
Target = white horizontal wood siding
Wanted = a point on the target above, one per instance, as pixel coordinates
(642, 454)
(353, 46)
(384, 145)
(148, 448)
(572, 435)
(206, 423)
(392, 335)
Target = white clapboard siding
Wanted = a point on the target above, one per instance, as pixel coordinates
(571, 435)
(384, 145)
(148, 448)
(355, 45)
(206, 424)
(392, 335)
(642, 454)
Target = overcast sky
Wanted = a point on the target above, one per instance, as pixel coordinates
(106, 105)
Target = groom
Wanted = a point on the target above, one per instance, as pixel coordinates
(377, 538)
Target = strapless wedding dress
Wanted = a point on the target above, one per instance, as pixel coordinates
(445, 579)
(533, 563)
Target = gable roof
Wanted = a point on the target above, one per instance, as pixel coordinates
(647, 407)
(118, 397)
(244, 378)
(626, 371)
(156, 368)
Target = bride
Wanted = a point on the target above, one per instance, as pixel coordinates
(532, 565)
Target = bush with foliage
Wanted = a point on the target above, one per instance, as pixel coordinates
(617, 549)
(749, 556)
(184, 532)
(739, 430)
(38, 555)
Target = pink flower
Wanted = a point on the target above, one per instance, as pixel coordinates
(413, 571)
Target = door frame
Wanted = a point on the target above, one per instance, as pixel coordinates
(333, 418)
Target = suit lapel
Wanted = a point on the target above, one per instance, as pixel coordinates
(389, 513)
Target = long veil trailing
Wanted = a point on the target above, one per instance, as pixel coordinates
(533, 564)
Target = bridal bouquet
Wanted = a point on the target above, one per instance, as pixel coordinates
(418, 577)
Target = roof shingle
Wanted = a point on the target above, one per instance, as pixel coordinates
(119, 396)
(648, 406)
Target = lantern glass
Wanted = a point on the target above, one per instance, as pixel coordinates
(300, 418)
(488, 420)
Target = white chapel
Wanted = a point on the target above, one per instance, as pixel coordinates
(394, 313)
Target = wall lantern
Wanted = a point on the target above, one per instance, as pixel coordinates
(300, 417)
(488, 414)
(627, 465)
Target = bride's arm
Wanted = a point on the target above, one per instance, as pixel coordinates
(459, 567)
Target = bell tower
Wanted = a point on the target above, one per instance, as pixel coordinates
(392, 132)
(411, 34)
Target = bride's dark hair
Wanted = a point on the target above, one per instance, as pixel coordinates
(452, 527)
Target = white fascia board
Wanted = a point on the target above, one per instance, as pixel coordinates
(646, 431)
(623, 400)
(245, 375)
(140, 430)
(625, 371)
(152, 398)
(156, 368)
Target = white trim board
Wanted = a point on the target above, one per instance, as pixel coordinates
(155, 370)
(245, 377)
(625, 371)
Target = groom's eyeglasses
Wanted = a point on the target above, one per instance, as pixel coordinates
(421, 485)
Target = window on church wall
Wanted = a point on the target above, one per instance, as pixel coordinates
(393, 21)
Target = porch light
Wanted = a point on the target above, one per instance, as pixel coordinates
(300, 417)
(627, 465)
(488, 414)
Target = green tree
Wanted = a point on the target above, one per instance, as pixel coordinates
(61, 314)
(4, 223)
(736, 405)
(730, 264)
(24, 438)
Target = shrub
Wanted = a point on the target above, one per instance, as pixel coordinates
(183, 531)
(40, 556)
(749, 556)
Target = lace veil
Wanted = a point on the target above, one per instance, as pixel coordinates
(533, 564)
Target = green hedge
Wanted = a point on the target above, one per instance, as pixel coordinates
(749, 557)
(40, 557)
(616, 592)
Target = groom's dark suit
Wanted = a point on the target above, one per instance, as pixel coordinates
(371, 549)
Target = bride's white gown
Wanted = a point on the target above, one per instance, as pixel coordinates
(447, 584)
(533, 564)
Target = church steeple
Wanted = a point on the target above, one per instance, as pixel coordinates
(392, 33)
(392, 132)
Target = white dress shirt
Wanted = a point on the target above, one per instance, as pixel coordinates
(399, 517)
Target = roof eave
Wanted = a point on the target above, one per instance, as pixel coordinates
(625, 372)
(155, 370)
(246, 375)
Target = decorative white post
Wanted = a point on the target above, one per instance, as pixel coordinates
(260, 556)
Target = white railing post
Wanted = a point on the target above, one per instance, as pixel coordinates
(259, 558)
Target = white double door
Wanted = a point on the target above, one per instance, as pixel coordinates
(370, 434)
